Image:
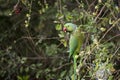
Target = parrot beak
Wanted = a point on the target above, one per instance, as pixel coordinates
(64, 29)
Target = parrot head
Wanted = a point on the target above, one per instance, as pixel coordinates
(69, 27)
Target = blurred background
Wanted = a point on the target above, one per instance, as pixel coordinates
(34, 47)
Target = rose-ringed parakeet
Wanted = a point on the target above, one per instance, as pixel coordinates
(75, 42)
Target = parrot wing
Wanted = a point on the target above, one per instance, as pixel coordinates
(73, 44)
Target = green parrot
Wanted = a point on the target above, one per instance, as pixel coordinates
(75, 42)
(76, 38)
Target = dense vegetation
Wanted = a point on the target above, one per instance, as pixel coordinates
(34, 47)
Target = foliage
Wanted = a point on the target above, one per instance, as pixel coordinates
(33, 45)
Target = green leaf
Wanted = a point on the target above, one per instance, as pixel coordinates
(58, 27)
(64, 42)
(19, 78)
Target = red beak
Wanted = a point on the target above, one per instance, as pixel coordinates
(64, 29)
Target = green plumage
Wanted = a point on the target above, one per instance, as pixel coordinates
(75, 42)
(76, 38)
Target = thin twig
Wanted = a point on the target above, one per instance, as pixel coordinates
(99, 13)
(109, 29)
(115, 53)
(62, 66)
(78, 2)
(87, 2)
(91, 5)
(102, 15)
(52, 38)
(111, 11)
(112, 38)
(44, 58)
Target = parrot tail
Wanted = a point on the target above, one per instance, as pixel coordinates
(75, 67)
